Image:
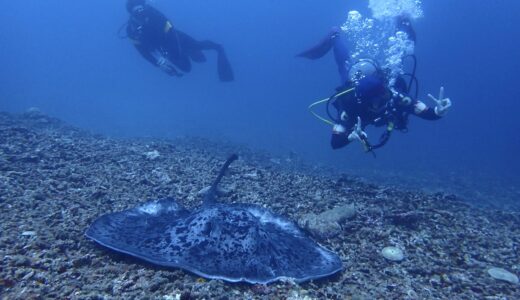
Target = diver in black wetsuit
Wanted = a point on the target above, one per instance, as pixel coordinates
(366, 98)
(166, 47)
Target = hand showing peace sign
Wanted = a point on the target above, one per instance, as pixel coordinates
(357, 133)
(443, 104)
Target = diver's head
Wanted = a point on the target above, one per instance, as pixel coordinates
(371, 86)
(131, 5)
(362, 69)
(403, 20)
(403, 23)
(368, 78)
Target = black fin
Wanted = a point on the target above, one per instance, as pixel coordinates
(225, 72)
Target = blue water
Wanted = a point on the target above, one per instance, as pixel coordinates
(65, 58)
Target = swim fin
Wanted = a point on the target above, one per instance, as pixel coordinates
(225, 72)
(317, 51)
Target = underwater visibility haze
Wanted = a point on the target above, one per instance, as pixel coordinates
(67, 60)
(397, 222)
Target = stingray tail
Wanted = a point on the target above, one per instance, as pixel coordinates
(211, 195)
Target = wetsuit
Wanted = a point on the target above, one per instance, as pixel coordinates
(168, 48)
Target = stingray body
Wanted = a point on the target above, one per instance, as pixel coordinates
(232, 242)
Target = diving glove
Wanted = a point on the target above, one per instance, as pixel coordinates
(443, 104)
(161, 62)
(338, 129)
(357, 133)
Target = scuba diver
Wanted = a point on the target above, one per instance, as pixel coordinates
(166, 47)
(367, 97)
(370, 101)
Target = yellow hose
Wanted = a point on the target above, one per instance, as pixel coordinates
(325, 100)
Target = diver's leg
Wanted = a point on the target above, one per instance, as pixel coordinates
(194, 48)
(323, 47)
(191, 47)
(341, 56)
(182, 62)
(176, 52)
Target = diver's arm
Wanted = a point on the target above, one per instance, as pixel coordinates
(342, 137)
(428, 113)
(160, 63)
(339, 138)
(424, 112)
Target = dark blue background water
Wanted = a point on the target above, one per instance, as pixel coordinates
(65, 58)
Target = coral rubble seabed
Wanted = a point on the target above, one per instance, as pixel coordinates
(56, 179)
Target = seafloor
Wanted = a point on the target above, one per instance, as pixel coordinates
(55, 180)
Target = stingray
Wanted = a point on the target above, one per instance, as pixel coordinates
(233, 242)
